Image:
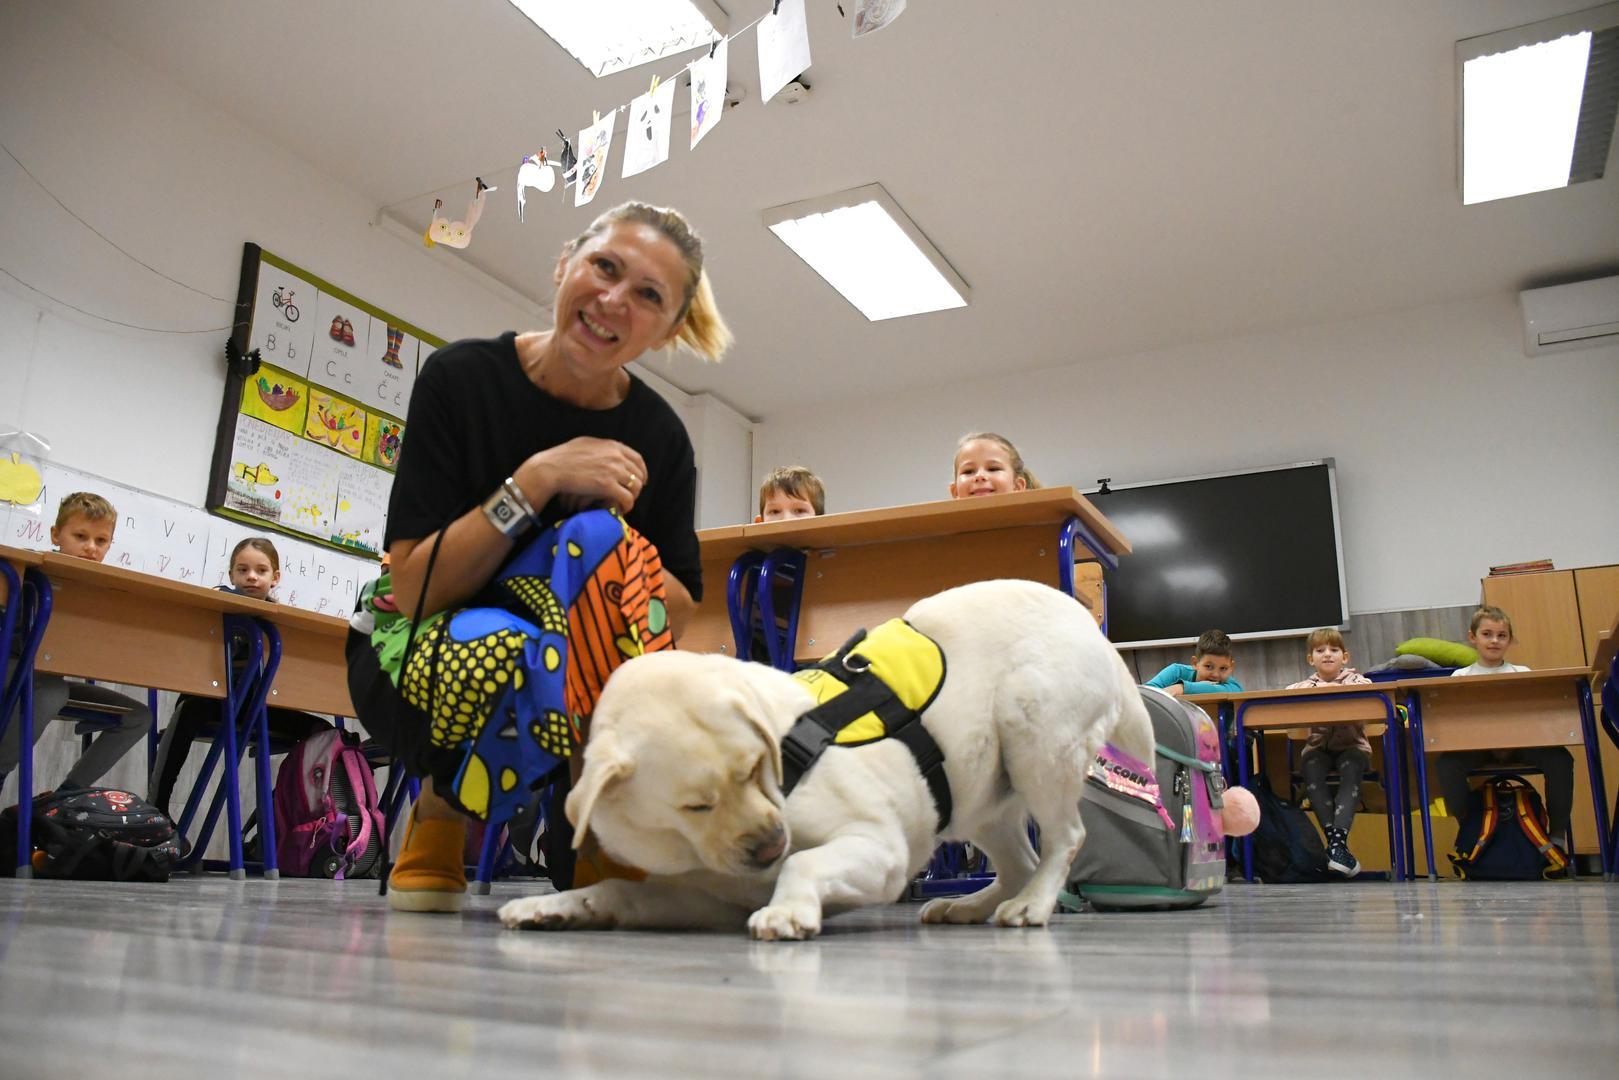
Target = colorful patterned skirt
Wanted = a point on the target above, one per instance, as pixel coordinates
(489, 701)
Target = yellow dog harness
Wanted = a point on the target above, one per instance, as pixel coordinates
(875, 687)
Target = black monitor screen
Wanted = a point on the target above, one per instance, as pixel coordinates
(1251, 553)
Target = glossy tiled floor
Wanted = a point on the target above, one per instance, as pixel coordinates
(202, 977)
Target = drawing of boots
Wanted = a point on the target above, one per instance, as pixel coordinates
(396, 338)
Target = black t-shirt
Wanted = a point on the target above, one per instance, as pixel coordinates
(475, 417)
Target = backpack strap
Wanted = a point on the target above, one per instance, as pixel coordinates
(359, 787)
(1486, 830)
(1535, 827)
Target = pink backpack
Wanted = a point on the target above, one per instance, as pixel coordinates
(327, 821)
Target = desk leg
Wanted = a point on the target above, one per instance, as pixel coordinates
(1242, 778)
(1419, 753)
(1593, 765)
(36, 608)
(261, 713)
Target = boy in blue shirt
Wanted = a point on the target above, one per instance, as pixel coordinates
(1208, 673)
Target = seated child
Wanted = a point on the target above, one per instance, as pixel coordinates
(1490, 632)
(988, 464)
(1208, 673)
(791, 491)
(1334, 746)
(84, 527)
(255, 568)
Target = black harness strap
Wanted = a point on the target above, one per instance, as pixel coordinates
(815, 730)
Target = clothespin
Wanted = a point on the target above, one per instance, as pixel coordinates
(712, 45)
(595, 116)
(653, 89)
(775, 8)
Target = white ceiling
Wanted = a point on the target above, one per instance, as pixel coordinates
(1108, 176)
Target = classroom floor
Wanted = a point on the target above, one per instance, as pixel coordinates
(300, 978)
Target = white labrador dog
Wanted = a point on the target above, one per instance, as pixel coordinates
(682, 772)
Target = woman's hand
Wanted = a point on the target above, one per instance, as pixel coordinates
(591, 471)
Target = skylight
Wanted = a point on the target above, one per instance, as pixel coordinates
(870, 251)
(1538, 105)
(613, 37)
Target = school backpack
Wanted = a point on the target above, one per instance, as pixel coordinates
(327, 820)
(1153, 837)
(1505, 835)
(95, 834)
(1287, 848)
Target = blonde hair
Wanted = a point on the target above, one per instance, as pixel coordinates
(261, 545)
(1327, 635)
(795, 482)
(1492, 613)
(87, 503)
(702, 331)
(1019, 469)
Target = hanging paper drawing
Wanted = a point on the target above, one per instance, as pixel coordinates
(871, 16)
(534, 172)
(336, 423)
(646, 143)
(595, 141)
(20, 482)
(570, 160)
(708, 78)
(784, 50)
(456, 234)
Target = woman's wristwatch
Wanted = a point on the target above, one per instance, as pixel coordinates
(509, 510)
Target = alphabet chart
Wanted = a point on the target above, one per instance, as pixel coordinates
(309, 441)
(167, 538)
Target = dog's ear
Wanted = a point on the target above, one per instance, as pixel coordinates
(754, 703)
(605, 765)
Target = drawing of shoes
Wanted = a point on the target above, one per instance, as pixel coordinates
(348, 332)
(337, 328)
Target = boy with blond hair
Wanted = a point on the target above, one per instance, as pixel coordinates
(791, 491)
(84, 528)
(1329, 747)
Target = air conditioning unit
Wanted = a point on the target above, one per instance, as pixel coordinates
(1577, 316)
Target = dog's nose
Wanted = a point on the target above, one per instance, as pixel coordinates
(768, 848)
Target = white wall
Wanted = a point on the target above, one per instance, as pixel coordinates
(182, 186)
(1454, 450)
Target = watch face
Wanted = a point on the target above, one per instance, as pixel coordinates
(505, 511)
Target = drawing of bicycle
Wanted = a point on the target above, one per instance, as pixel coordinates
(288, 308)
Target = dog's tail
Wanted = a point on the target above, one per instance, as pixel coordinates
(1132, 732)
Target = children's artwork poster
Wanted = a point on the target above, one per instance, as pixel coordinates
(384, 436)
(327, 399)
(335, 422)
(276, 397)
(594, 143)
(784, 49)
(871, 16)
(260, 457)
(708, 75)
(362, 507)
(283, 318)
(646, 135)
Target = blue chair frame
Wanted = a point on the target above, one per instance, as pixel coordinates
(28, 613)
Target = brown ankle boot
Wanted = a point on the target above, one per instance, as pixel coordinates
(429, 875)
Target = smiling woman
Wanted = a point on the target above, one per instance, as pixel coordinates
(538, 429)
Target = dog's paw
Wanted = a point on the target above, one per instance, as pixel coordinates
(952, 910)
(1019, 911)
(556, 911)
(785, 922)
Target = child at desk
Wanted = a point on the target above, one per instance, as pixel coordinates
(791, 491)
(255, 568)
(1490, 632)
(988, 464)
(1208, 673)
(1334, 746)
(85, 523)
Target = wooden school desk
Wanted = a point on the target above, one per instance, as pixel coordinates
(1365, 703)
(864, 567)
(1499, 712)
